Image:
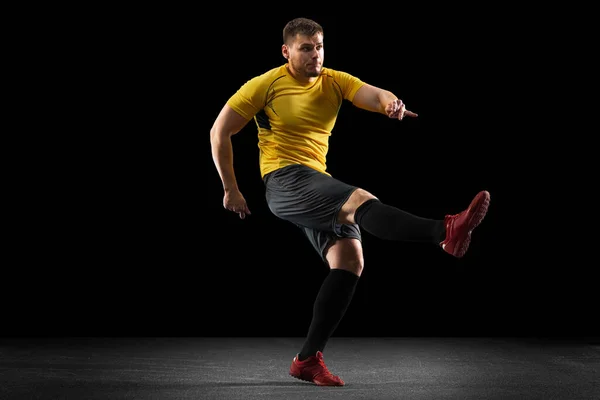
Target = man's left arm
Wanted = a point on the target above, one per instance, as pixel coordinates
(374, 99)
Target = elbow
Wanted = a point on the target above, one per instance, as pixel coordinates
(216, 135)
(213, 134)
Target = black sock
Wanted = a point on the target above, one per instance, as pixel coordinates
(387, 222)
(330, 306)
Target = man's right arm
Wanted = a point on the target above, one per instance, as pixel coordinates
(227, 124)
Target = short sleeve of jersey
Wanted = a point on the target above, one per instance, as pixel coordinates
(250, 98)
(348, 83)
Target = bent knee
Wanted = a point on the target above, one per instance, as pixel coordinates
(358, 197)
(346, 254)
(356, 267)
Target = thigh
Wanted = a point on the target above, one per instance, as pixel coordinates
(307, 197)
(323, 241)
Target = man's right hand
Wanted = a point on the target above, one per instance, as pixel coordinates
(235, 201)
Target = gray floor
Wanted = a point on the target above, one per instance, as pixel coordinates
(257, 368)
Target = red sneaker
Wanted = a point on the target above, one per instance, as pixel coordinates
(460, 226)
(313, 370)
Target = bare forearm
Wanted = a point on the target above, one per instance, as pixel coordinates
(384, 97)
(222, 152)
(373, 99)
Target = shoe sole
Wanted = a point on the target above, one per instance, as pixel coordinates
(478, 208)
(308, 380)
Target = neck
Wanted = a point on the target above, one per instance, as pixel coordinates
(299, 77)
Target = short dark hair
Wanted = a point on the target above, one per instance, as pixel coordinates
(303, 26)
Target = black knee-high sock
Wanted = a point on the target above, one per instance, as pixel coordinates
(391, 223)
(330, 306)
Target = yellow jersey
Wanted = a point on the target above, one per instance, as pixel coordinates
(294, 119)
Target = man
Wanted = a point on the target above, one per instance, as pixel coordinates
(295, 107)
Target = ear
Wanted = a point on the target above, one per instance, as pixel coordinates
(285, 51)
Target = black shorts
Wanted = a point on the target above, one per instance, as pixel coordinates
(311, 200)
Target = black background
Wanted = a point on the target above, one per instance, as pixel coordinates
(123, 230)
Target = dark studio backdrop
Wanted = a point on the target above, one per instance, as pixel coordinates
(131, 238)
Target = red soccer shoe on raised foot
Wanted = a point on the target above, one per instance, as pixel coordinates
(313, 370)
(460, 226)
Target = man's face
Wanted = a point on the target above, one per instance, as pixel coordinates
(306, 55)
